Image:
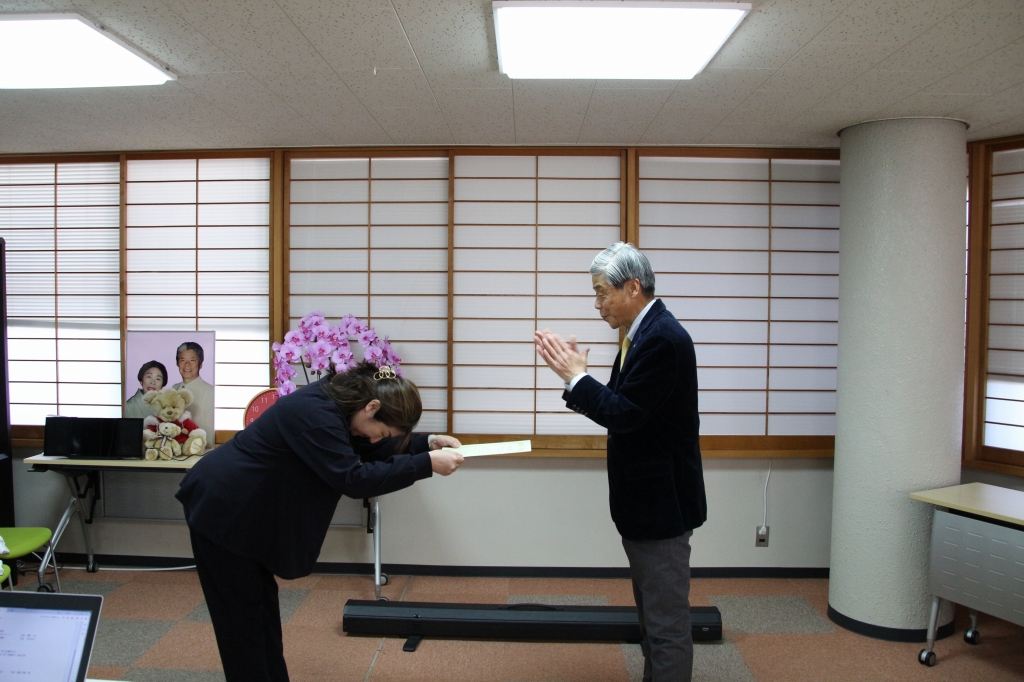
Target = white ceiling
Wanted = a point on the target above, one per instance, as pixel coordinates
(280, 73)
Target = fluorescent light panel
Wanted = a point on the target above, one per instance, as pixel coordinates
(599, 39)
(69, 51)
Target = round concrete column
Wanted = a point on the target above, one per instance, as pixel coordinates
(901, 362)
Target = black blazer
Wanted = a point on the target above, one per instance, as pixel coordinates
(655, 478)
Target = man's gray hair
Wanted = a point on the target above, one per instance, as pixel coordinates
(622, 262)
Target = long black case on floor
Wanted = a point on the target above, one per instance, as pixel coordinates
(511, 621)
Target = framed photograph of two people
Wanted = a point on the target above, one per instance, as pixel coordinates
(172, 359)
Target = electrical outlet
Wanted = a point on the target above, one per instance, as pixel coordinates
(761, 536)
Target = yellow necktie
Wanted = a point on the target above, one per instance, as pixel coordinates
(625, 349)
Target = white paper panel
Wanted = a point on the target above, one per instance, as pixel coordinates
(703, 168)
(161, 323)
(32, 283)
(162, 169)
(495, 166)
(550, 400)
(731, 355)
(329, 214)
(234, 191)
(568, 423)
(89, 306)
(805, 239)
(234, 169)
(805, 286)
(234, 214)
(578, 190)
(86, 195)
(506, 236)
(741, 238)
(329, 168)
(1006, 312)
(237, 329)
(1005, 337)
(26, 218)
(27, 328)
(521, 284)
(172, 306)
(88, 240)
(559, 284)
(89, 372)
(329, 237)
(594, 237)
(495, 260)
(257, 237)
(731, 401)
(704, 191)
(805, 332)
(1008, 211)
(566, 307)
(27, 174)
(243, 374)
(586, 331)
(493, 377)
(422, 352)
(31, 349)
(802, 379)
(20, 240)
(324, 191)
(88, 216)
(223, 260)
(805, 169)
(33, 393)
(805, 193)
(504, 189)
(803, 356)
(712, 285)
(578, 166)
(732, 424)
(718, 308)
(1008, 388)
(434, 398)
(1007, 262)
(433, 422)
(801, 425)
(162, 261)
(1008, 236)
(802, 401)
(409, 283)
(409, 168)
(735, 378)
(409, 190)
(27, 195)
(563, 260)
(410, 306)
(424, 237)
(490, 354)
(735, 215)
(494, 330)
(143, 215)
(161, 237)
(331, 306)
(805, 263)
(1004, 411)
(996, 436)
(805, 216)
(493, 422)
(426, 375)
(411, 330)
(90, 261)
(495, 213)
(234, 306)
(552, 213)
(522, 307)
(493, 400)
(805, 309)
(706, 331)
(89, 349)
(327, 260)
(89, 394)
(1010, 161)
(709, 261)
(404, 260)
(1006, 362)
(31, 305)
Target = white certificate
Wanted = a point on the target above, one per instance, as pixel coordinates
(485, 449)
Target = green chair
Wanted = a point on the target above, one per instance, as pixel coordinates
(24, 541)
(5, 573)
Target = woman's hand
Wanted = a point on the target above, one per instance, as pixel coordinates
(445, 462)
(436, 442)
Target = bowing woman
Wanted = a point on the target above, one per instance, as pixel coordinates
(260, 504)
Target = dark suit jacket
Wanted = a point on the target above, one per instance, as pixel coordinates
(269, 493)
(655, 478)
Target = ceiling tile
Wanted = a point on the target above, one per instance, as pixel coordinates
(885, 21)
(770, 107)
(689, 129)
(996, 72)
(768, 135)
(928, 104)
(414, 125)
(874, 90)
(719, 87)
(389, 87)
(620, 116)
(1010, 126)
(479, 116)
(453, 37)
(994, 109)
(550, 111)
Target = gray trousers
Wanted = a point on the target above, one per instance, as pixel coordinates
(661, 587)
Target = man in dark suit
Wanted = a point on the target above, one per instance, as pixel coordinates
(655, 479)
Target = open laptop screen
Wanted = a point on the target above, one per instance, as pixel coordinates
(46, 637)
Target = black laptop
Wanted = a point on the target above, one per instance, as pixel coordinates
(93, 437)
(47, 636)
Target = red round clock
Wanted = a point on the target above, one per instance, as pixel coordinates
(258, 405)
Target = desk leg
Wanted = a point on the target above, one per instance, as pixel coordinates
(379, 579)
(58, 533)
(927, 655)
(90, 565)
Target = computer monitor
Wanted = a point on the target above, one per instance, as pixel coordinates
(47, 636)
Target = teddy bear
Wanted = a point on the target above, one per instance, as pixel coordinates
(170, 432)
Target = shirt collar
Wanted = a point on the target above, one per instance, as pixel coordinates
(639, 319)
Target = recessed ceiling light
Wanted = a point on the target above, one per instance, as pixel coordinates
(601, 39)
(69, 51)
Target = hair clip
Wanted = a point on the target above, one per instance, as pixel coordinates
(385, 372)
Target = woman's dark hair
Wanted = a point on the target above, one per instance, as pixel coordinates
(400, 404)
(150, 365)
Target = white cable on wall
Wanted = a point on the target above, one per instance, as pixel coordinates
(764, 519)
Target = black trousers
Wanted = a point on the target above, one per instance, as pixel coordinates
(661, 588)
(242, 598)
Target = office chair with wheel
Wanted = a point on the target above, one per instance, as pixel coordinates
(24, 541)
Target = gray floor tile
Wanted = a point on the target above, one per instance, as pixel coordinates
(87, 587)
(559, 599)
(289, 600)
(122, 642)
(717, 662)
(163, 675)
(200, 614)
(784, 614)
(634, 656)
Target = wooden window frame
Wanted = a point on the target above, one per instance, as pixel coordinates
(975, 454)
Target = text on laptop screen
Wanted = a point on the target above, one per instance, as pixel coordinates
(41, 644)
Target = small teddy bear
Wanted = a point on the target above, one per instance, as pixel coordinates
(170, 432)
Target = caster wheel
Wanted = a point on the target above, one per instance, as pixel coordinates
(92, 567)
(926, 658)
(383, 599)
(45, 587)
(972, 637)
(383, 579)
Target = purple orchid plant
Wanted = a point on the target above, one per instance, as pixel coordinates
(315, 345)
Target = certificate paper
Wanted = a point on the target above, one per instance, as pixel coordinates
(484, 449)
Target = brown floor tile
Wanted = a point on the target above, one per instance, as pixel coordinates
(491, 661)
(318, 654)
(308, 582)
(182, 577)
(106, 672)
(322, 608)
(188, 645)
(457, 589)
(152, 601)
(619, 591)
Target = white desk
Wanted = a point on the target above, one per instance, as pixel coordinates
(977, 555)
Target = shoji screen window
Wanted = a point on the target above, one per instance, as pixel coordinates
(526, 230)
(1004, 404)
(198, 258)
(369, 237)
(746, 256)
(61, 224)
